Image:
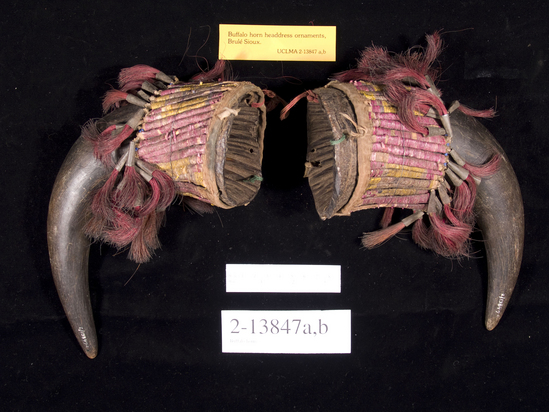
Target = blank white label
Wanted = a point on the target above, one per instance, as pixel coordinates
(283, 278)
(286, 331)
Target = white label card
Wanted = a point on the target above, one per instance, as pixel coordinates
(286, 331)
(283, 278)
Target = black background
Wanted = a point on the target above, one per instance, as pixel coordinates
(418, 339)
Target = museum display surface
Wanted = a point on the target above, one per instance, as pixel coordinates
(410, 166)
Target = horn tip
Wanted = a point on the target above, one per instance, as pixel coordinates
(491, 323)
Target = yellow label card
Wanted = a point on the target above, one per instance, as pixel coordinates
(289, 43)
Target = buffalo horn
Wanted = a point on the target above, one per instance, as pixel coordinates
(68, 247)
(499, 209)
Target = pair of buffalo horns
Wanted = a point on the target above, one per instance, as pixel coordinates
(498, 207)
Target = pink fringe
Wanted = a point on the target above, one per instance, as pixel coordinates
(108, 142)
(449, 241)
(112, 99)
(131, 190)
(217, 74)
(139, 251)
(311, 97)
(167, 189)
(378, 66)
(464, 201)
(152, 227)
(123, 230)
(102, 204)
(377, 238)
(133, 77)
(102, 208)
(151, 203)
(90, 132)
(485, 170)
(486, 114)
(387, 217)
(422, 235)
(118, 218)
(274, 100)
(146, 240)
(413, 100)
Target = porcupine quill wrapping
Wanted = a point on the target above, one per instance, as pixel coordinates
(202, 140)
(380, 136)
(405, 144)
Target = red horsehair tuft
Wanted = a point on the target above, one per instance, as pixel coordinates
(485, 170)
(112, 99)
(373, 239)
(132, 77)
(217, 73)
(102, 206)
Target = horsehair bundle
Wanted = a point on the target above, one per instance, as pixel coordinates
(380, 136)
(201, 139)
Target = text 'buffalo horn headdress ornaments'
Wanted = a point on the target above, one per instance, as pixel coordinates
(380, 136)
(202, 140)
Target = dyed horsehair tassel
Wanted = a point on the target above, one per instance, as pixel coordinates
(387, 217)
(113, 98)
(145, 240)
(462, 172)
(486, 114)
(165, 183)
(446, 204)
(132, 189)
(444, 117)
(447, 240)
(373, 239)
(102, 206)
(446, 200)
(149, 206)
(132, 78)
(464, 197)
(107, 143)
(479, 171)
(217, 73)
(421, 234)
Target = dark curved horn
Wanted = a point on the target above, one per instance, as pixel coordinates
(500, 212)
(67, 244)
